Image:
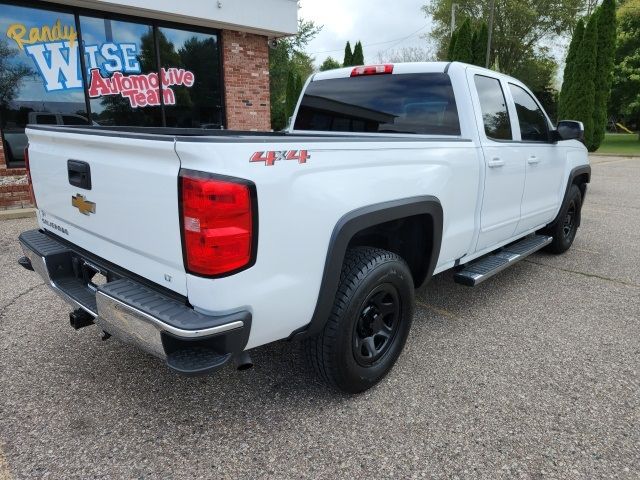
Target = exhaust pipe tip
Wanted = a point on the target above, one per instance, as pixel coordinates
(242, 361)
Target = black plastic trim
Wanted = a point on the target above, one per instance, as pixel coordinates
(576, 172)
(255, 219)
(352, 223)
(171, 134)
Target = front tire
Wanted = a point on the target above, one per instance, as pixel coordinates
(369, 322)
(565, 229)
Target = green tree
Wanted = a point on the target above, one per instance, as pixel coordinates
(329, 64)
(11, 74)
(358, 55)
(286, 56)
(581, 96)
(568, 80)
(520, 27)
(625, 94)
(604, 69)
(463, 50)
(541, 71)
(479, 47)
(348, 55)
(292, 81)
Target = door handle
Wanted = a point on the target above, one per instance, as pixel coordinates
(496, 162)
(533, 160)
(79, 174)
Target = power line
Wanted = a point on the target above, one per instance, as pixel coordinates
(398, 40)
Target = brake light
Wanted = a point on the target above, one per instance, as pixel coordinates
(217, 224)
(28, 168)
(372, 70)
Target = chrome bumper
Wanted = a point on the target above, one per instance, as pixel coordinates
(134, 312)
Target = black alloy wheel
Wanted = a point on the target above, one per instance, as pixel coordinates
(377, 325)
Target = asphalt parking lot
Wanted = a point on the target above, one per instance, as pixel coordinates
(534, 374)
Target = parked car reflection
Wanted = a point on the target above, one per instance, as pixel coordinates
(16, 140)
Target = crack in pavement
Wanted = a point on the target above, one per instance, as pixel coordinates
(589, 275)
(15, 300)
(439, 311)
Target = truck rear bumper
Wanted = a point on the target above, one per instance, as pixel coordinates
(157, 322)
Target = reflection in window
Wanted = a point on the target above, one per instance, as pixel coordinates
(532, 120)
(408, 103)
(42, 82)
(194, 56)
(122, 72)
(36, 83)
(494, 108)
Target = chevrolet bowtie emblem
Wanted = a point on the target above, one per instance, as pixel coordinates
(83, 205)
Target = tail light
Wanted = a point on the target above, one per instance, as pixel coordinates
(28, 168)
(372, 70)
(219, 226)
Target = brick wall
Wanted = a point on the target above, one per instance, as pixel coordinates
(246, 79)
(14, 191)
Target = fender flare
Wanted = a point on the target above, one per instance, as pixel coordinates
(576, 172)
(352, 223)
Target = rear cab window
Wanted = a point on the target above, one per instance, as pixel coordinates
(422, 104)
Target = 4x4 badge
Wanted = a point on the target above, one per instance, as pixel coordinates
(83, 204)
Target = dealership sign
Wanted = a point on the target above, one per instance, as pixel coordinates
(114, 67)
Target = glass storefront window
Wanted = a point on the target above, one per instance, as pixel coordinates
(122, 73)
(42, 79)
(195, 102)
(40, 76)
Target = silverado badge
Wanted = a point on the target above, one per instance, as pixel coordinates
(82, 204)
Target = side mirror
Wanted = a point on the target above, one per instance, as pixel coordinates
(570, 130)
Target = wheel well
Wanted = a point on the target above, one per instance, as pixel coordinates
(581, 181)
(410, 237)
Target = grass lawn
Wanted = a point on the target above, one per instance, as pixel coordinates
(620, 143)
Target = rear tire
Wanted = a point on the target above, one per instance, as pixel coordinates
(565, 229)
(369, 322)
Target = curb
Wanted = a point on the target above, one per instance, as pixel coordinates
(624, 155)
(17, 213)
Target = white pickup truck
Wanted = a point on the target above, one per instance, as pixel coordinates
(198, 246)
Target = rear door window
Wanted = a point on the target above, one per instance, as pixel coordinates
(495, 115)
(406, 103)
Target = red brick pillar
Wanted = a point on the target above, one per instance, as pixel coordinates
(14, 190)
(245, 60)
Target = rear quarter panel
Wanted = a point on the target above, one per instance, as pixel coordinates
(301, 203)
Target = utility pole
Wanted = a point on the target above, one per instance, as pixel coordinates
(454, 6)
(491, 15)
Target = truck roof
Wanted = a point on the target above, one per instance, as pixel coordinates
(404, 68)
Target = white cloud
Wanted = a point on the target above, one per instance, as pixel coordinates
(380, 25)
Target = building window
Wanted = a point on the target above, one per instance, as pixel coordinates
(39, 80)
(197, 102)
(42, 79)
(122, 72)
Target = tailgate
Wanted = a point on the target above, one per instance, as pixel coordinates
(128, 214)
